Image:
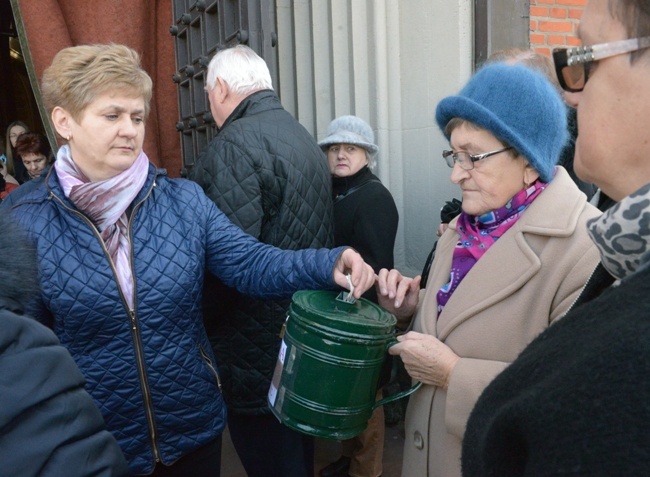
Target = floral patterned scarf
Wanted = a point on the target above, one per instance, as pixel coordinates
(478, 233)
(105, 203)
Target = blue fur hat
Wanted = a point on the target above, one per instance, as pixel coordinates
(517, 105)
(350, 130)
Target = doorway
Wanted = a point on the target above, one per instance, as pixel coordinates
(17, 100)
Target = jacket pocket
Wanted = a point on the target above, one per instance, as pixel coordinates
(211, 366)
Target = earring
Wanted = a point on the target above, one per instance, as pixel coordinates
(69, 137)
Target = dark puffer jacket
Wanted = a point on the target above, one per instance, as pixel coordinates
(151, 370)
(268, 175)
(49, 425)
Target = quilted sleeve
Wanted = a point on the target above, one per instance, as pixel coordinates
(238, 193)
(261, 270)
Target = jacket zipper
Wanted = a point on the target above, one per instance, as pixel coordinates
(135, 331)
(582, 290)
(208, 361)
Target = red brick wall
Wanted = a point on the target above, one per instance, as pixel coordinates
(554, 23)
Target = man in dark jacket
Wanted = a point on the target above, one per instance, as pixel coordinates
(267, 173)
(49, 425)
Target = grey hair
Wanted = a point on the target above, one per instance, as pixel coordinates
(372, 160)
(241, 68)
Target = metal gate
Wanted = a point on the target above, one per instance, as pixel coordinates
(201, 27)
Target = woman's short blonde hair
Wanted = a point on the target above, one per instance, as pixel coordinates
(79, 74)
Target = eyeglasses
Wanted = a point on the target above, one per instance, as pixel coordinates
(572, 65)
(466, 160)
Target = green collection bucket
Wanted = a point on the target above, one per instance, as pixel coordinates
(330, 361)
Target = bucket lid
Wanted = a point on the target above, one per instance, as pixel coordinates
(362, 316)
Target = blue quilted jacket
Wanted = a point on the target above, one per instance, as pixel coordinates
(151, 370)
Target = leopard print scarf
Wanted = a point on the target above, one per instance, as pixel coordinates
(622, 234)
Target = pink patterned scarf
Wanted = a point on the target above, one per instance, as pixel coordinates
(105, 203)
(478, 233)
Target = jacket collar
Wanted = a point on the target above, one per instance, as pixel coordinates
(260, 101)
(340, 185)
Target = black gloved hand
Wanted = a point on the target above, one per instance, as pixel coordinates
(451, 209)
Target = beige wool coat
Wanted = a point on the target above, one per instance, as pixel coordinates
(529, 278)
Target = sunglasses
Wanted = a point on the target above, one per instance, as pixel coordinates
(573, 65)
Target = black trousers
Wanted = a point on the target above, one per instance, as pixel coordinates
(203, 462)
(267, 448)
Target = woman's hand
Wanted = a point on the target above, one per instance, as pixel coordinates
(362, 274)
(426, 358)
(398, 294)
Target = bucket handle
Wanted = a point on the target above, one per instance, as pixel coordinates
(399, 395)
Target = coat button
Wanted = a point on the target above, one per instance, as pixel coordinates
(418, 440)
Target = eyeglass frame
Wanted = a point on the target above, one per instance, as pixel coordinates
(472, 157)
(585, 55)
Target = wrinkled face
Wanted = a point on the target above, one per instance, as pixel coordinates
(34, 163)
(14, 132)
(495, 179)
(346, 159)
(613, 144)
(109, 135)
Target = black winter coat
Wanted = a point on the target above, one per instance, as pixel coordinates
(365, 218)
(577, 400)
(268, 175)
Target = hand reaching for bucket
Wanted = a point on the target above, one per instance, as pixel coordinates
(362, 274)
(398, 294)
(425, 358)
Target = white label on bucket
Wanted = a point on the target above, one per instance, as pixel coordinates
(273, 393)
(283, 352)
(275, 383)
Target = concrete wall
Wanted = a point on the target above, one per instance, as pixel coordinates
(389, 62)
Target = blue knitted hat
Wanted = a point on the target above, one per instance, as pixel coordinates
(517, 105)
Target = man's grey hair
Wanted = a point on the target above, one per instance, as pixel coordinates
(241, 68)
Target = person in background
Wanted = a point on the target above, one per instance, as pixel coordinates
(49, 425)
(268, 175)
(577, 401)
(4, 169)
(35, 153)
(7, 182)
(365, 218)
(14, 164)
(510, 265)
(122, 254)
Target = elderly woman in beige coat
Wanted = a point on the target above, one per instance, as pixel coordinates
(511, 264)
